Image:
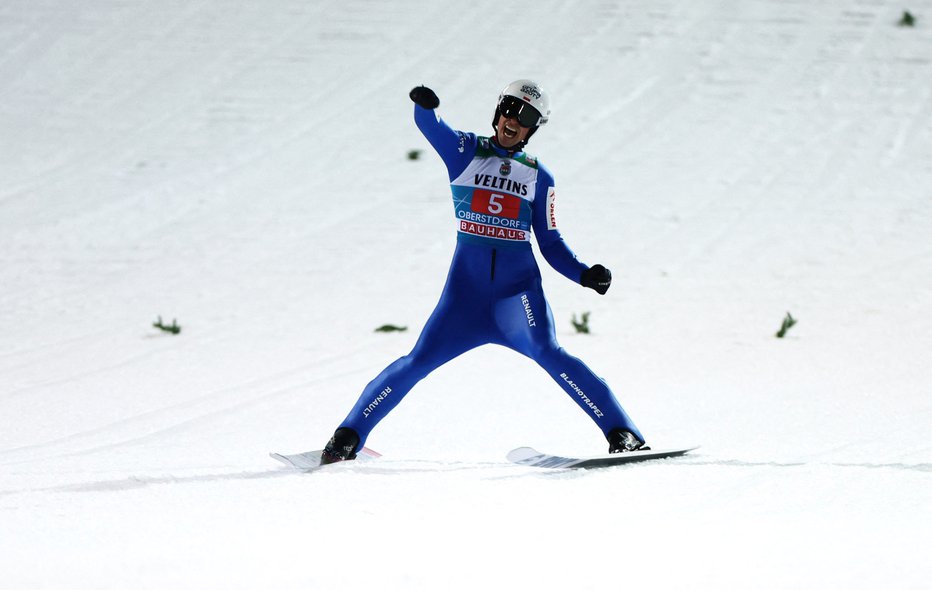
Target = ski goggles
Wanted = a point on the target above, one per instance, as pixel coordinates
(515, 108)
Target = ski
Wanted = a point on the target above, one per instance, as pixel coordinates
(534, 458)
(311, 459)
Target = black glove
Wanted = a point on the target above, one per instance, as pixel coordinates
(597, 277)
(425, 97)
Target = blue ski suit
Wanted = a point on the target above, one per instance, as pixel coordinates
(493, 291)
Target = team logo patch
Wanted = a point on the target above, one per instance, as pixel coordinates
(505, 168)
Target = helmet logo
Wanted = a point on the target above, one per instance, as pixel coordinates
(505, 168)
(531, 91)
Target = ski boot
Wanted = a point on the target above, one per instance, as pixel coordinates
(341, 447)
(622, 441)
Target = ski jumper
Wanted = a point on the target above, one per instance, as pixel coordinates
(493, 291)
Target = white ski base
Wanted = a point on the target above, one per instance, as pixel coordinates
(311, 459)
(534, 458)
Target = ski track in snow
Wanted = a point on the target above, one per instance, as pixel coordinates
(242, 168)
(488, 470)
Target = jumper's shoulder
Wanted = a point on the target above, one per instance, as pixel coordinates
(468, 142)
(544, 175)
(529, 161)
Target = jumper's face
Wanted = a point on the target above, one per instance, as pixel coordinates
(509, 132)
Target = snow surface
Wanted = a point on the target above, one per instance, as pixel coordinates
(242, 167)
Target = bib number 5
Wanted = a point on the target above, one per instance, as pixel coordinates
(495, 205)
(484, 201)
